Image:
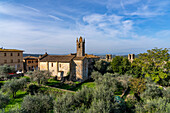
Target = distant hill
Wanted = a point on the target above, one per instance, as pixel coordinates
(35, 55)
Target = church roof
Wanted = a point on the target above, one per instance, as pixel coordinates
(79, 58)
(54, 58)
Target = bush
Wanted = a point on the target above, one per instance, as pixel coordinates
(98, 99)
(32, 89)
(160, 105)
(102, 66)
(37, 104)
(151, 92)
(4, 99)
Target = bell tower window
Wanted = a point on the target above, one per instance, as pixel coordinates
(79, 45)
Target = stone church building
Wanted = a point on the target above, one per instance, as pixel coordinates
(75, 66)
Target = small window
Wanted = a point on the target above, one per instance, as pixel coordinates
(29, 61)
(32, 61)
(4, 54)
(11, 61)
(51, 64)
(5, 61)
(11, 54)
(18, 60)
(18, 54)
(36, 61)
(79, 45)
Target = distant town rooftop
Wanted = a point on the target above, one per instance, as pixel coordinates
(10, 50)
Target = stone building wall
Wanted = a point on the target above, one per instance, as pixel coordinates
(79, 69)
(13, 59)
(64, 67)
(85, 69)
(43, 66)
(53, 68)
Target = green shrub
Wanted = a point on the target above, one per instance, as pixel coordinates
(37, 104)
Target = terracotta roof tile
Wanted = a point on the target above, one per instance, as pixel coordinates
(30, 57)
(10, 50)
(79, 58)
(54, 58)
(91, 56)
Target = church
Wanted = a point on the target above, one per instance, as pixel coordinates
(74, 66)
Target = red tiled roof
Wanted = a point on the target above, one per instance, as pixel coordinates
(54, 58)
(10, 50)
(30, 57)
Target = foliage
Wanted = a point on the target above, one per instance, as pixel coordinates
(32, 89)
(37, 104)
(155, 64)
(97, 99)
(117, 63)
(15, 103)
(102, 66)
(14, 85)
(121, 65)
(152, 91)
(5, 69)
(131, 101)
(160, 105)
(137, 85)
(136, 69)
(95, 75)
(4, 100)
(40, 76)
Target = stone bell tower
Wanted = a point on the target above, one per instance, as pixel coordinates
(80, 47)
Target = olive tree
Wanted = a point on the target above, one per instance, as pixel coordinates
(12, 86)
(37, 104)
(40, 76)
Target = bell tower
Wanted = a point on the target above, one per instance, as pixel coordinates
(80, 47)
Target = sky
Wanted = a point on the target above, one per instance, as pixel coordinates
(108, 26)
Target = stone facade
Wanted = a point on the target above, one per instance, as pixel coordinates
(73, 66)
(131, 57)
(30, 63)
(12, 57)
(108, 57)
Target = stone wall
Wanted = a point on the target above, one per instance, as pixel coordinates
(65, 67)
(53, 68)
(13, 59)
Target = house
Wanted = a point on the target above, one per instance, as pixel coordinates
(30, 63)
(12, 57)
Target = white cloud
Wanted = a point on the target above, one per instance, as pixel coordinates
(55, 18)
(104, 33)
(17, 11)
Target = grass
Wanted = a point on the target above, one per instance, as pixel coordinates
(58, 84)
(88, 84)
(73, 87)
(2, 83)
(16, 102)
